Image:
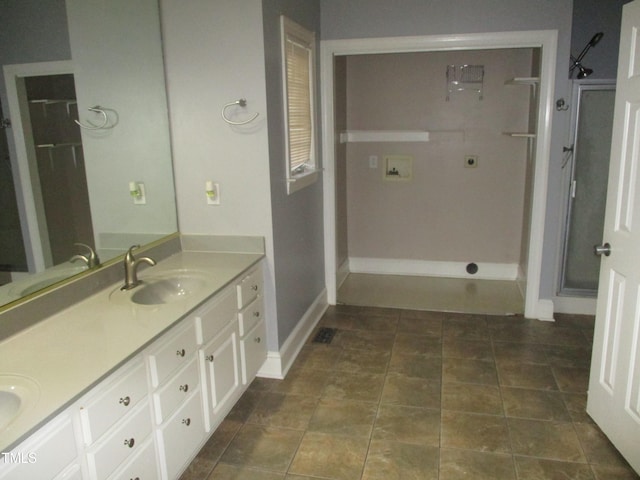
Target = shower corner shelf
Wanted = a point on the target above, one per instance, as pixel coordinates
(523, 81)
(352, 136)
(520, 134)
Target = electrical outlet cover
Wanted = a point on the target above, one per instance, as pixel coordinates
(398, 168)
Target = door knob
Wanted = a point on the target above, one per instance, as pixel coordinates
(602, 250)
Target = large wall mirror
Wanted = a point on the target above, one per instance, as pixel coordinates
(85, 155)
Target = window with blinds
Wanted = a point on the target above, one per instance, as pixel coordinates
(298, 53)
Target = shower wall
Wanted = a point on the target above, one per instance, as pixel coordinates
(447, 213)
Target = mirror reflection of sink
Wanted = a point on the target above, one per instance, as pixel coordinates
(168, 288)
(17, 394)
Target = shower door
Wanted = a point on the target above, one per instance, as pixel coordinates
(593, 121)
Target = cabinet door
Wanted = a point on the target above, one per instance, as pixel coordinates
(172, 353)
(174, 392)
(220, 363)
(253, 352)
(112, 400)
(142, 466)
(180, 437)
(125, 439)
(44, 455)
(216, 314)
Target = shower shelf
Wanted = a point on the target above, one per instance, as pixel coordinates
(520, 134)
(523, 81)
(48, 101)
(384, 136)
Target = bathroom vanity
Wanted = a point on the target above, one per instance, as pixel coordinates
(130, 384)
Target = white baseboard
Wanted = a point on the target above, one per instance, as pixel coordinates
(425, 268)
(545, 310)
(342, 273)
(278, 364)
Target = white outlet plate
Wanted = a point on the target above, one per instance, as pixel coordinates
(213, 195)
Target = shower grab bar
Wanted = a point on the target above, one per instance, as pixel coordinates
(242, 103)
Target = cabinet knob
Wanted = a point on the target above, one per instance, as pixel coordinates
(256, 314)
(125, 401)
(130, 442)
(257, 339)
(181, 353)
(137, 478)
(184, 388)
(186, 421)
(209, 358)
(254, 288)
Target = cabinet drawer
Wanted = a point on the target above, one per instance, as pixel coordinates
(106, 406)
(74, 472)
(181, 436)
(124, 440)
(211, 319)
(221, 366)
(172, 354)
(250, 316)
(250, 287)
(142, 466)
(175, 390)
(253, 350)
(44, 455)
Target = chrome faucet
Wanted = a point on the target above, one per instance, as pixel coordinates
(90, 259)
(131, 268)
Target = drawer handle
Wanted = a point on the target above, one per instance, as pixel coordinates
(181, 353)
(137, 478)
(129, 443)
(209, 358)
(257, 339)
(256, 314)
(125, 401)
(186, 421)
(254, 288)
(184, 388)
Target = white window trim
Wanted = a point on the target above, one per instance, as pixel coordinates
(298, 181)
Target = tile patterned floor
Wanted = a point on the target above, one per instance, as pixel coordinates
(403, 394)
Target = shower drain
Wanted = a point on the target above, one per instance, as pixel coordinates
(325, 335)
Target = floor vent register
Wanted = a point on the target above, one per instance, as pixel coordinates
(324, 335)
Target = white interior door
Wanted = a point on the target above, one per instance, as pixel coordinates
(614, 386)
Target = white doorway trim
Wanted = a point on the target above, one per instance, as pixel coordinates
(546, 40)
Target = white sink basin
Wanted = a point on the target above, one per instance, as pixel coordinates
(158, 290)
(17, 394)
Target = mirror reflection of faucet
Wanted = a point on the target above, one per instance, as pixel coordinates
(131, 268)
(90, 259)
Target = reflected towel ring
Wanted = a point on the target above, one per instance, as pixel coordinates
(242, 103)
(91, 126)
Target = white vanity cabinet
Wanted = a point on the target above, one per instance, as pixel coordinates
(253, 346)
(115, 424)
(50, 453)
(177, 399)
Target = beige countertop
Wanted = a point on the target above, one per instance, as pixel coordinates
(71, 351)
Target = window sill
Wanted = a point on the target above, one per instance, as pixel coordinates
(298, 182)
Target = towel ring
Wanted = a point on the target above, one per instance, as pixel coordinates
(96, 109)
(242, 103)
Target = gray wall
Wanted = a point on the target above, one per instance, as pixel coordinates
(590, 17)
(381, 18)
(297, 218)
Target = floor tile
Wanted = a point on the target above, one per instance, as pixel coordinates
(419, 366)
(334, 457)
(577, 407)
(568, 356)
(303, 382)
(464, 397)
(575, 380)
(286, 411)
(375, 323)
(614, 473)
(410, 344)
(345, 417)
(400, 461)
(469, 371)
(262, 447)
(527, 376)
(465, 330)
(486, 433)
(550, 440)
(365, 361)
(401, 389)
(431, 326)
(364, 340)
(597, 447)
(470, 350)
(232, 472)
(467, 465)
(535, 404)
(408, 425)
(539, 469)
(366, 387)
(508, 352)
(316, 356)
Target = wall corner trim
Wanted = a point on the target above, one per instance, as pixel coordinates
(278, 363)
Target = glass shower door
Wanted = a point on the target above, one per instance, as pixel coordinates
(588, 188)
